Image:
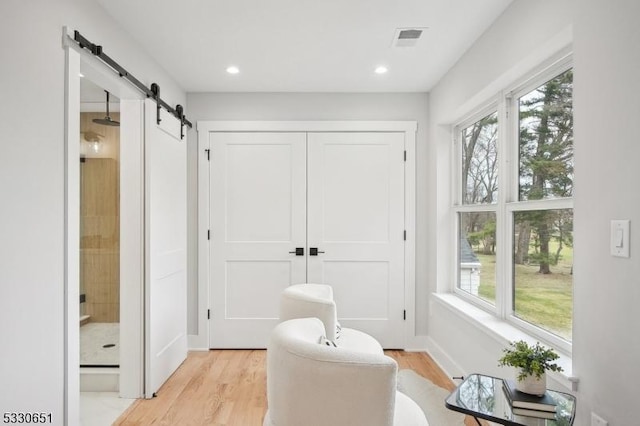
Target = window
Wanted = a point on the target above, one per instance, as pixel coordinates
(542, 270)
(545, 121)
(480, 161)
(477, 226)
(513, 208)
(476, 255)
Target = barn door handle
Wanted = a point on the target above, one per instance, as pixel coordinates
(299, 251)
(313, 251)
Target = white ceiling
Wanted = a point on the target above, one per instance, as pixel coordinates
(303, 45)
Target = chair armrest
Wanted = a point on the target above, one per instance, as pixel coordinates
(311, 384)
(297, 303)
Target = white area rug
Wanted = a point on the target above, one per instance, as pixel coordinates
(429, 397)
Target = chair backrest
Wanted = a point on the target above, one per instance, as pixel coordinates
(310, 301)
(312, 384)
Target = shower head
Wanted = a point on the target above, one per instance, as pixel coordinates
(107, 121)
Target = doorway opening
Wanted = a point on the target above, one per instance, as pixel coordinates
(104, 238)
(99, 236)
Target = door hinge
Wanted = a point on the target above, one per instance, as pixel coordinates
(208, 234)
(208, 151)
(405, 155)
(404, 315)
(405, 235)
(208, 313)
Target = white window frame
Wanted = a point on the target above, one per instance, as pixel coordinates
(489, 108)
(505, 102)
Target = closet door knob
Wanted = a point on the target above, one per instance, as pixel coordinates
(298, 252)
(313, 251)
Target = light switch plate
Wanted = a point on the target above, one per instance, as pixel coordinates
(620, 238)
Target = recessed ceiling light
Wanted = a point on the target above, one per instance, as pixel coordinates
(233, 69)
(381, 69)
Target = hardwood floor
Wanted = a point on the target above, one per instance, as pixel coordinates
(228, 387)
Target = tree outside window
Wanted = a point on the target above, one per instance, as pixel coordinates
(543, 238)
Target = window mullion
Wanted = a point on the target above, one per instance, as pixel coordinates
(547, 204)
(513, 129)
(471, 208)
(456, 167)
(503, 293)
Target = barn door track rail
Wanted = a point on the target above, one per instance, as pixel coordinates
(152, 92)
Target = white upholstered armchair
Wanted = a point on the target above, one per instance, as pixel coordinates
(316, 301)
(311, 384)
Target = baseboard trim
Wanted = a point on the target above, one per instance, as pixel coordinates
(416, 344)
(443, 360)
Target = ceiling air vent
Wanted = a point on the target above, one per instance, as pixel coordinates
(407, 37)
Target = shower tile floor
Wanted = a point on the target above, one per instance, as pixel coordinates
(93, 337)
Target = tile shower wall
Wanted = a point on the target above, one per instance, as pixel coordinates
(99, 220)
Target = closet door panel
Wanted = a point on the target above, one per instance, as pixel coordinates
(257, 217)
(356, 223)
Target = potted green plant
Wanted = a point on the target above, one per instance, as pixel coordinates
(532, 362)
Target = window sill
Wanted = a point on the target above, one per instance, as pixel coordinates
(503, 333)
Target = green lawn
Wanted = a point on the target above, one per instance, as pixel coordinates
(545, 300)
(487, 289)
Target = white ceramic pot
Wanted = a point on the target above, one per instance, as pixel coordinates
(533, 385)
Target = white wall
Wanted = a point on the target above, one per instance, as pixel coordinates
(32, 187)
(335, 106)
(607, 148)
(606, 336)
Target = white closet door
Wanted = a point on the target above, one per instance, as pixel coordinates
(356, 222)
(165, 248)
(258, 217)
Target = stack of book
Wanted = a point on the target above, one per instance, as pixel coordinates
(523, 404)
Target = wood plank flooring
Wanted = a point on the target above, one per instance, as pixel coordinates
(228, 387)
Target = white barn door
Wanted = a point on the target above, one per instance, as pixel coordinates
(165, 248)
(356, 228)
(258, 215)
